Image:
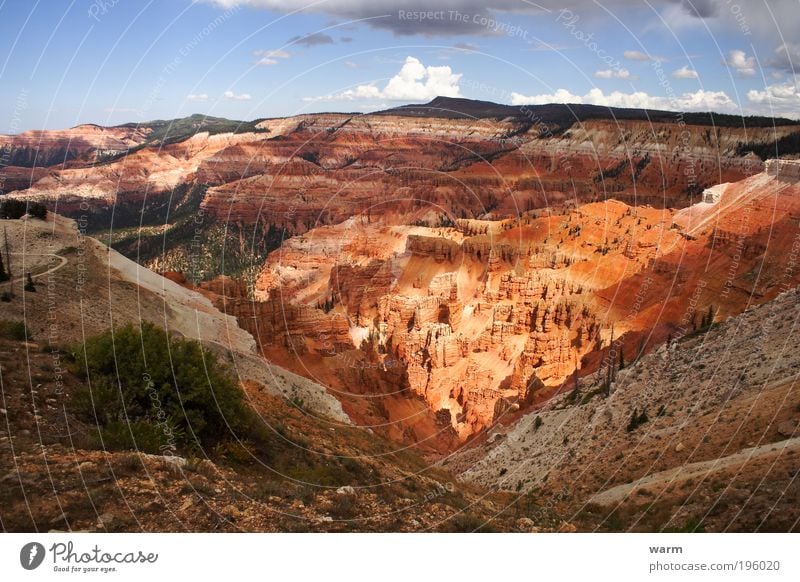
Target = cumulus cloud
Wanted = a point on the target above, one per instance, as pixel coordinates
(698, 101)
(738, 61)
(231, 96)
(778, 99)
(270, 57)
(685, 73)
(615, 74)
(414, 82)
(197, 98)
(560, 96)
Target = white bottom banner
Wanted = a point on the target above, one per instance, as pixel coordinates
(369, 557)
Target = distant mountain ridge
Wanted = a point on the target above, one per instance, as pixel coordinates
(561, 113)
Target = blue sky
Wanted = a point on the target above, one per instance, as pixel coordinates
(104, 61)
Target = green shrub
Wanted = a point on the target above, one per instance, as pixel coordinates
(137, 435)
(149, 391)
(12, 209)
(637, 420)
(14, 330)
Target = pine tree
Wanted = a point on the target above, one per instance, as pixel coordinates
(29, 286)
(8, 253)
(632, 422)
(621, 359)
(3, 275)
(709, 319)
(610, 369)
(577, 379)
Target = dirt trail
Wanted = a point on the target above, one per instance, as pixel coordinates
(693, 470)
(62, 262)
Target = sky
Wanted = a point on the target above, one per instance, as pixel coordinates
(67, 62)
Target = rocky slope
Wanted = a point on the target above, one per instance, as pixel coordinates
(84, 288)
(84, 143)
(319, 472)
(320, 475)
(716, 446)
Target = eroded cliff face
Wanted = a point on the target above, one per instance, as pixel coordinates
(326, 168)
(438, 274)
(788, 170)
(85, 143)
(481, 318)
(301, 172)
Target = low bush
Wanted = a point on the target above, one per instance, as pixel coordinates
(637, 420)
(151, 391)
(14, 330)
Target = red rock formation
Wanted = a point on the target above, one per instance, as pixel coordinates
(454, 269)
(489, 317)
(301, 172)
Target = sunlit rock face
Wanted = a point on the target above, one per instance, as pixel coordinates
(486, 317)
(295, 173)
(439, 272)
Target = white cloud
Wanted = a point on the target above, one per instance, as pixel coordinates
(270, 57)
(231, 96)
(414, 82)
(637, 56)
(560, 96)
(615, 74)
(698, 101)
(351, 65)
(685, 73)
(778, 99)
(741, 63)
(197, 98)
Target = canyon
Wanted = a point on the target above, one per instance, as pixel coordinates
(440, 267)
(451, 316)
